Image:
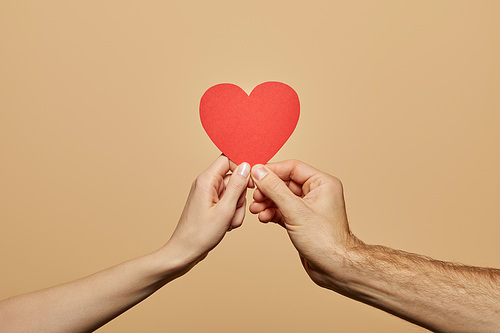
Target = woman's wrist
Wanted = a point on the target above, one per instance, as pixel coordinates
(171, 261)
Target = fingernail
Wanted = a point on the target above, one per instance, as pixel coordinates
(244, 169)
(259, 172)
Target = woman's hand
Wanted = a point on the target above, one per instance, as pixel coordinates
(216, 205)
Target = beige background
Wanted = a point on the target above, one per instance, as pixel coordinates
(100, 140)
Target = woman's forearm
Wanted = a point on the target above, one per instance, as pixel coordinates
(216, 204)
(440, 296)
(88, 303)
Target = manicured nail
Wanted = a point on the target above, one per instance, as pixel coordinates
(244, 169)
(259, 172)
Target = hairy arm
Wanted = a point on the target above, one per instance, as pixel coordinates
(440, 296)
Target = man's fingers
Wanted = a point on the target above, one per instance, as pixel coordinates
(267, 212)
(294, 170)
(273, 187)
(293, 186)
(257, 207)
(258, 195)
(271, 215)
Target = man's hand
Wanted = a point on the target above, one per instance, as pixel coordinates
(441, 296)
(309, 204)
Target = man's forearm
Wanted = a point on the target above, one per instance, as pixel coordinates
(88, 303)
(440, 296)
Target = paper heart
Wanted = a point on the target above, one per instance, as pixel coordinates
(250, 128)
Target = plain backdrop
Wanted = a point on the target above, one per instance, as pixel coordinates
(100, 140)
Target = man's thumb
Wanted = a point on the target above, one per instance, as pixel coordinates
(273, 187)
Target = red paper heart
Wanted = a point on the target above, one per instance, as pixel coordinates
(250, 128)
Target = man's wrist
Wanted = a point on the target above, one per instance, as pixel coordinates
(342, 266)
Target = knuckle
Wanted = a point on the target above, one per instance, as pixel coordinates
(195, 185)
(336, 185)
(294, 163)
(199, 181)
(203, 180)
